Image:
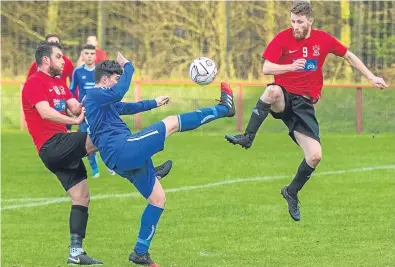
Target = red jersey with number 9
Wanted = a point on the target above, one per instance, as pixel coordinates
(42, 87)
(285, 49)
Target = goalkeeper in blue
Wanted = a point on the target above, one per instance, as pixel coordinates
(129, 154)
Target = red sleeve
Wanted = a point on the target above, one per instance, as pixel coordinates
(105, 57)
(68, 68)
(32, 69)
(34, 92)
(100, 55)
(68, 93)
(274, 50)
(335, 47)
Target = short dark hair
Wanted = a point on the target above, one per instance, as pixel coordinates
(302, 8)
(89, 47)
(45, 49)
(52, 35)
(107, 68)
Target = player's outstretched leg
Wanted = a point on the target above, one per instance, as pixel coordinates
(192, 120)
(273, 97)
(195, 119)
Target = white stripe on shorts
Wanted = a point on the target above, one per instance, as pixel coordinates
(143, 136)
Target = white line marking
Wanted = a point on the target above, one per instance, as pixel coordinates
(48, 201)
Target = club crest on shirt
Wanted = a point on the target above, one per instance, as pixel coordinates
(316, 50)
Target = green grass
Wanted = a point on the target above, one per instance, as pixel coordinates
(335, 112)
(347, 218)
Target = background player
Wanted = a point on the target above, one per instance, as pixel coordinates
(295, 58)
(100, 53)
(84, 79)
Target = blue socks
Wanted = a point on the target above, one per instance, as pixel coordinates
(149, 220)
(92, 161)
(195, 119)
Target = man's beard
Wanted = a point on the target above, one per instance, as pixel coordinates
(301, 36)
(54, 71)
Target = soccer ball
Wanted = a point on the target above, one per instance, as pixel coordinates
(203, 71)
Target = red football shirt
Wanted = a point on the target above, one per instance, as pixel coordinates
(42, 87)
(66, 73)
(100, 55)
(285, 49)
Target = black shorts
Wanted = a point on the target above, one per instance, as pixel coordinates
(62, 154)
(298, 115)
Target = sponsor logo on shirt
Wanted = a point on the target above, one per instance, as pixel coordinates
(311, 65)
(59, 104)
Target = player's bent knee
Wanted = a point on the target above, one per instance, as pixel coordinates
(272, 94)
(313, 159)
(158, 199)
(82, 200)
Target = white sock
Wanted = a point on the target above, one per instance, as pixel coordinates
(76, 251)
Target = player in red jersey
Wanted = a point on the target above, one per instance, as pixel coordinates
(295, 58)
(45, 99)
(68, 68)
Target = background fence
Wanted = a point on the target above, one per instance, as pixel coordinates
(342, 109)
(162, 38)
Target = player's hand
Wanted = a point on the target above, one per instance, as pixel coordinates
(121, 60)
(162, 100)
(80, 119)
(298, 64)
(378, 82)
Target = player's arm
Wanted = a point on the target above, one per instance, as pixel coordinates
(272, 55)
(74, 106)
(123, 84)
(358, 64)
(270, 68)
(128, 108)
(116, 93)
(48, 113)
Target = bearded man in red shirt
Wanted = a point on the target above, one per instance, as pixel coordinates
(45, 98)
(295, 57)
(68, 68)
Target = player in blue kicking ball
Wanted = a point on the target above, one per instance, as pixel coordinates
(129, 154)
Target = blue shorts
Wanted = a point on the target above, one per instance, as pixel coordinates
(134, 162)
